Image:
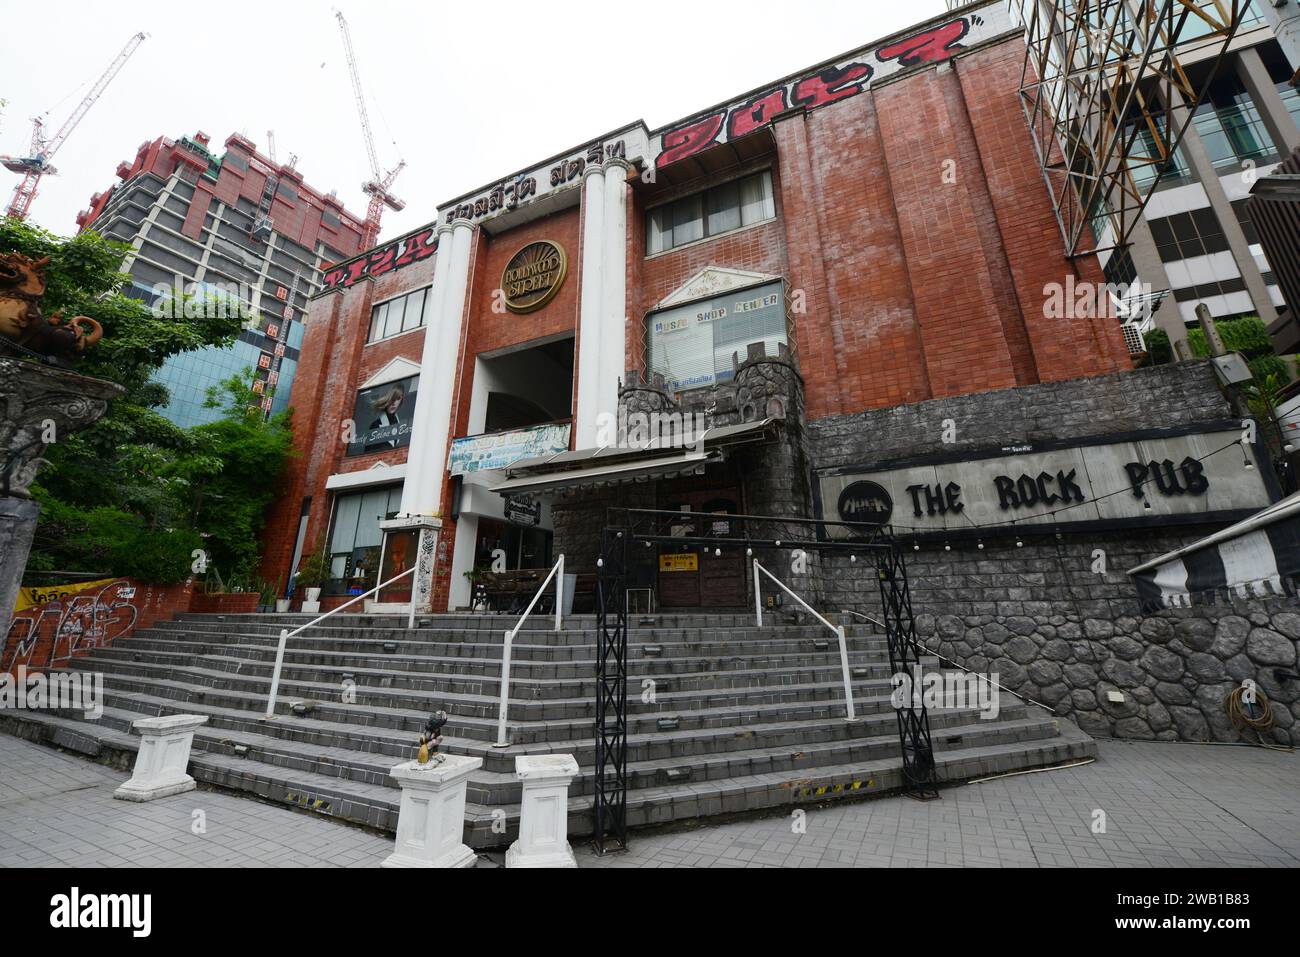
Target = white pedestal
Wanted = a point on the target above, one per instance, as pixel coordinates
(163, 757)
(544, 816)
(432, 817)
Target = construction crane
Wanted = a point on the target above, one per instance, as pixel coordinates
(291, 165)
(377, 187)
(37, 162)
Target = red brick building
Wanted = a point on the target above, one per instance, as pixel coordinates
(233, 224)
(868, 234)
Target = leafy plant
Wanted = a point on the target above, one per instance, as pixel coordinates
(314, 569)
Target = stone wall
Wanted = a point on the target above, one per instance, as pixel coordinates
(1057, 627)
(1174, 668)
(1165, 396)
(1056, 616)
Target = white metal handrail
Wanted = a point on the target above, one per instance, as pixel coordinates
(558, 574)
(286, 634)
(839, 631)
(866, 618)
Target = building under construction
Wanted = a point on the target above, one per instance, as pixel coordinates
(236, 229)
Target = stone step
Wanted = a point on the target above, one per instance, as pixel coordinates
(722, 716)
(250, 692)
(220, 671)
(436, 663)
(496, 636)
(646, 742)
(486, 826)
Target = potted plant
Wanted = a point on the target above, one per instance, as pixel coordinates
(313, 573)
(265, 595)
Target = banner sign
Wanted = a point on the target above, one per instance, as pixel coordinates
(686, 562)
(1200, 476)
(693, 345)
(383, 416)
(481, 453)
(521, 512)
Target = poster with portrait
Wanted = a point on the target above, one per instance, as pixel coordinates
(383, 417)
(401, 551)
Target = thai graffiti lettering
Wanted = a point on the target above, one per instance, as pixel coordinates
(79, 623)
(928, 47)
(827, 85)
(396, 255)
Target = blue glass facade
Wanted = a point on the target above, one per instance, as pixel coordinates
(188, 376)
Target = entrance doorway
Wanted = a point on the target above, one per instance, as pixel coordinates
(698, 576)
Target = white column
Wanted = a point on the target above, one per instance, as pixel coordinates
(589, 322)
(426, 462)
(544, 812)
(164, 755)
(613, 320)
(431, 821)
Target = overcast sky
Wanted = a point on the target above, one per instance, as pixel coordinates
(465, 92)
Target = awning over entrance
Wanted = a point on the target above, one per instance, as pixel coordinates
(586, 468)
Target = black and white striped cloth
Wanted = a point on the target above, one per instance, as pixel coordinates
(1258, 557)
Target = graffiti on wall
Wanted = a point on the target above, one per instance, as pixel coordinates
(820, 88)
(48, 635)
(396, 255)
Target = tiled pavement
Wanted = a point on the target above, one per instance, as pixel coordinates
(1165, 805)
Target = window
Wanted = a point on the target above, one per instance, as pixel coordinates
(1229, 124)
(1119, 269)
(722, 209)
(355, 537)
(396, 316)
(1243, 219)
(1185, 235)
(1195, 28)
(692, 346)
(1144, 159)
(1290, 99)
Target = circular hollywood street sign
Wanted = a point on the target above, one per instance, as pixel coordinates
(533, 276)
(866, 502)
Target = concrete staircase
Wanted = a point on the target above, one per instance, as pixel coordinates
(740, 719)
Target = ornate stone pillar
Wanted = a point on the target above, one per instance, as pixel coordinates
(39, 405)
(613, 319)
(426, 461)
(589, 321)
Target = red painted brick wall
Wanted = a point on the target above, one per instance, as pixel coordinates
(243, 603)
(336, 360)
(914, 287)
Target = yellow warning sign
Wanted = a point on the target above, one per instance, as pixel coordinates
(686, 562)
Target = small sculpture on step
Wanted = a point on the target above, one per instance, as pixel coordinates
(430, 738)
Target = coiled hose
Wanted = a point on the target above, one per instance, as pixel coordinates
(1255, 716)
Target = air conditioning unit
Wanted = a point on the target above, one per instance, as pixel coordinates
(1133, 339)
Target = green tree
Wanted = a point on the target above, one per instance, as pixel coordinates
(116, 497)
(1247, 335)
(233, 475)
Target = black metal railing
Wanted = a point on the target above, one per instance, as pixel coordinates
(628, 528)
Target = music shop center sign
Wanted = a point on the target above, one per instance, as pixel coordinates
(1196, 476)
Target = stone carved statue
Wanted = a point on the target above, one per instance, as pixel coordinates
(22, 285)
(430, 738)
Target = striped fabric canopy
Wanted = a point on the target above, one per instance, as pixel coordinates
(1254, 558)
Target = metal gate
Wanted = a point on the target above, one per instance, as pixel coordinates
(631, 528)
